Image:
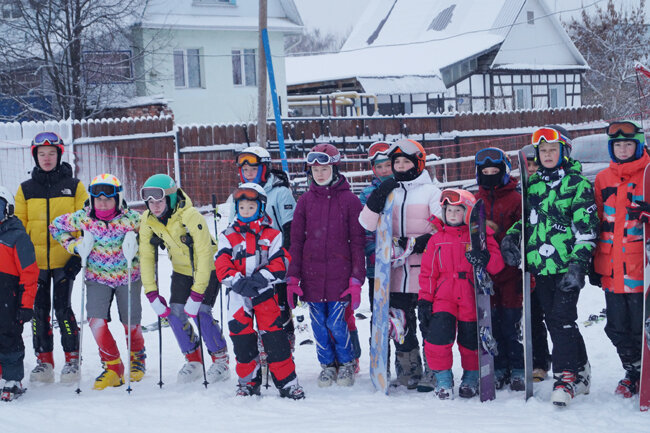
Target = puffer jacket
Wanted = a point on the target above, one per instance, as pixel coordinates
(184, 220)
(414, 203)
(619, 254)
(106, 263)
(41, 199)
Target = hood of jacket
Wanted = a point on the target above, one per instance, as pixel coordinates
(44, 177)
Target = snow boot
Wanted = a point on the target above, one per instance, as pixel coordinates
(70, 371)
(292, 391)
(248, 387)
(517, 380)
(563, 388)
(113, 375)
(468, 384)
(138, 367)
(501, 377)
(444, 388)
(428, 380)
(191, 370)
(539, 374)
(220, 369)
(583, 379)
(12, 390)
(408, 366)
(629, 385)
(327, 375)
(44, 370)
(345, 376)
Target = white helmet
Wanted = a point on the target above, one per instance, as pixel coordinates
(253, 155)
(7, 209)
(250, 191)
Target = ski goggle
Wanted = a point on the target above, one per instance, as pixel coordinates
(155, 193)
(247, 158)
(378, 151)
(496, 156)
(246, 194)
(549, 135)
(454, 197)
(405, 146)
(104, 189)
(626, 129)
(321, 158)
(47, 138)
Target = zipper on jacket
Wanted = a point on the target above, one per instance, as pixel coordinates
(47, 231)
(403, 233)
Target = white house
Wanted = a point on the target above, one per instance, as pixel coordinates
(203, 60)
(424, 56)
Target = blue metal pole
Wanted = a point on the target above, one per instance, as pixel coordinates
(274, 98)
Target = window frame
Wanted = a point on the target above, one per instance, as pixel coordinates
(186, 56)
(241, 54)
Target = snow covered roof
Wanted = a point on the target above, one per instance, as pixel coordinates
(402, 85)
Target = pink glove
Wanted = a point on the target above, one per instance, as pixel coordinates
(354, 290)
(293, 288)
(158, 304)
(193, 304)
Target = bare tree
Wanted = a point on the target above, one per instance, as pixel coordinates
(612, 40)
(313, 42)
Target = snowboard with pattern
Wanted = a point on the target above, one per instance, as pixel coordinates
(484, 289)
(644, 383)
(380, 307)
(526, 330)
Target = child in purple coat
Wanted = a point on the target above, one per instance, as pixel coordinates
(327, 265)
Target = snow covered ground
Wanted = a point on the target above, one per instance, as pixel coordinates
(57, 408)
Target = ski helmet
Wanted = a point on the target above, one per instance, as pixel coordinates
(107, 185)
(625, 130)
(324, 154)
(492, 157)
(158, 187)
(529, 151)
(457, 197)
(253, 192)
(378, 152)
(47, 139)
(414, 152)
(7, 204)
(552, 134)
(255, 156)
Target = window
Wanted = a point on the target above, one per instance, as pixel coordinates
(103, 67)
(530, 15)
(523, 97)
(556, 96)
(11, 9)
(243, 67)
(187, 68)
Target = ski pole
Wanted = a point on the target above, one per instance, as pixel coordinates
(157, 242)
(217, 217)
(129, 249)
(83, 249)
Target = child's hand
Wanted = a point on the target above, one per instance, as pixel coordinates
(478, 257)
(158, 304)
(511, 251)
(293, 289)
(193, 304)
(354, 290)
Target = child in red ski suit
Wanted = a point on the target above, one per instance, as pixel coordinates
(446, 300)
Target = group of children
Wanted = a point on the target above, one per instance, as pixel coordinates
(277, 249)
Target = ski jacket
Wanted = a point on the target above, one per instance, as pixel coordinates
(503, 207)
(414, 203)
(561, 220)
(619, 254)
(447, 277)
(106, 263)
(327, 241)
(370, 236)
(41, 199)
(18, 282)
(185, 220)
(249, 247)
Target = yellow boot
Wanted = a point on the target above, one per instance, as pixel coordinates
(137, 365)
(111, 376)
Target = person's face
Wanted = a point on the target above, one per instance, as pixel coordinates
(47, 157)
(403, 164)
(157, 207)
(549, 154)
(249, 171)
(383, 169)
(454, 214)
(624, 149)
(321, 173)
(532, 166)
(246, 208)
(104, 203)
(488, 171)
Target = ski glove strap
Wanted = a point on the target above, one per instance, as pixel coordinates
(573, 280)
(293, 290)
(158, 304)
(377, 199)
(510, 250)
(193, 304)
(478, 258)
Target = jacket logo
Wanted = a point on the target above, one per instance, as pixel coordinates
(66, 191)
(556, 226)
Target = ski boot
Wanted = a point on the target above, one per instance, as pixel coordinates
(501, 378)
(70, 371)
(138, 367)
(191, 370)
(219, 370)
(408, 366)
(517, 380)
(44, 370)
(444, 388)
(345, 376)
(468, 384)
(629, 385)
(292, 390)
(12, 390)
(113, 375)
(539, 374)
(327, 375)
(248, 387)
(564, 388)
(583, 379)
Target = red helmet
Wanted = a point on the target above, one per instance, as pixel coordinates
(378, 152)
(457, 197)
(323, 154)
(47, 139)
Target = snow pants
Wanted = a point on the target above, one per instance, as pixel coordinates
(625, 326)
(541, 353)
(331, 332)
(505, 324)
(11, 365)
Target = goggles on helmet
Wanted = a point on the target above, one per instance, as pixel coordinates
(104, 189)
(378, 150)
(405, 146)
(246, 194)
(47, 137)
(248, 158)
(453, 197)
(155, 193)
(496, 156)
(321, 158)
(549, 135)
(626, 129)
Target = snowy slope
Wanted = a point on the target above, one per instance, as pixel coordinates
(174, 408)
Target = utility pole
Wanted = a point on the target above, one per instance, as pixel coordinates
(261, 78)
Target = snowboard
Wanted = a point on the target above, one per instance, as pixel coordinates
(380, 320)
(526, 329)
(483, 289)
(644, 382)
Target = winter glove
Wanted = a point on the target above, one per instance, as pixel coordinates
(511, 250)
(158, 304)
(377, 199)
(293, 290)
(594, 277)
(639, 210)
(85, 246)
(421, 243)
(157, 242)
(250, 286)
(72, 267)
(193, 304)
(24, 315)
(478, 258)
(573, 280)
(425, 311)
(354, 290)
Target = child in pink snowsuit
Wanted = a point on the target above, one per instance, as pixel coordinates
(447, 301)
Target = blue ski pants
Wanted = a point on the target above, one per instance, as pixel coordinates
(333, 342)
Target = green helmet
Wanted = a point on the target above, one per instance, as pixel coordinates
(158, 182)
